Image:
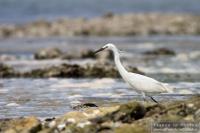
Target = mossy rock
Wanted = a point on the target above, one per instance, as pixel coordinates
(29, 124)
(126, 113)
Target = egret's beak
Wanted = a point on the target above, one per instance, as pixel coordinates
(99, 50)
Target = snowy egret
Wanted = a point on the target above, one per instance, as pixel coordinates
(144, 85)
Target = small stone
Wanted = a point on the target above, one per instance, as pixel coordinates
(48, 53)
(71, 120)
(160, 51)
(61, 127)
(52, 124)
(83, 124)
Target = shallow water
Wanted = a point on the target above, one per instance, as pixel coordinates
(55, 96)
(187, 48)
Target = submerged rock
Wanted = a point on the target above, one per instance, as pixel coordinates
(160, 51)
(48, 53)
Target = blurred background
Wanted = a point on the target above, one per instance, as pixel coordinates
(14, 11)
(47, 64)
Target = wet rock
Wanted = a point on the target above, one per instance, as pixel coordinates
(25, 125)
(64, 70)
(87, 54)
(105, 55)
(125, 114)
(85, 105)
(98, 70)
(48, 53)
(6, 71)
(84, 54)
(160, 51)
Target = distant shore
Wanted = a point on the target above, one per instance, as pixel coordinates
(108, 25)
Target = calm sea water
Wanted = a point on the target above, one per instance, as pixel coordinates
(12, 11)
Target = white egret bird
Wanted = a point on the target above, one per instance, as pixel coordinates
(144, 85)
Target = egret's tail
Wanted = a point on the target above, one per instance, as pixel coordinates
(168, 88)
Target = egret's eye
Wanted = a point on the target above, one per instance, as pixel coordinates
(105, 47)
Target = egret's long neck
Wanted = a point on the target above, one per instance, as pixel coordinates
(120, 68)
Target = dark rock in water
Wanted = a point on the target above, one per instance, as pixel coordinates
(160, 51)
(67, 70)
(64, 70)
(50, 119)
(85, 105)
(105, 55)
(87, 54)
(48, 53)
(100, 71)
(6, 71)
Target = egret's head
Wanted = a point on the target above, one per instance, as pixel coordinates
(108, 46)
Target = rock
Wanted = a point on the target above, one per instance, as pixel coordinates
(108, 15)
(64, 70)
(87, 54)
(105, 55)
(48, 53)
(125, 114)
(5, 57)
(85, 105)
(98, 70)
(128, 117)
(6, 71)
(25, 125)
(160, 51)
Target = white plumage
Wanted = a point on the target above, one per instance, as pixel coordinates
(140, 83)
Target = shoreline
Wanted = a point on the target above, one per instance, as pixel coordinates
(128, 117)
(135, 24)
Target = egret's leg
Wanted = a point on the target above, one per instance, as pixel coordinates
(144, 96)
(153, 99)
